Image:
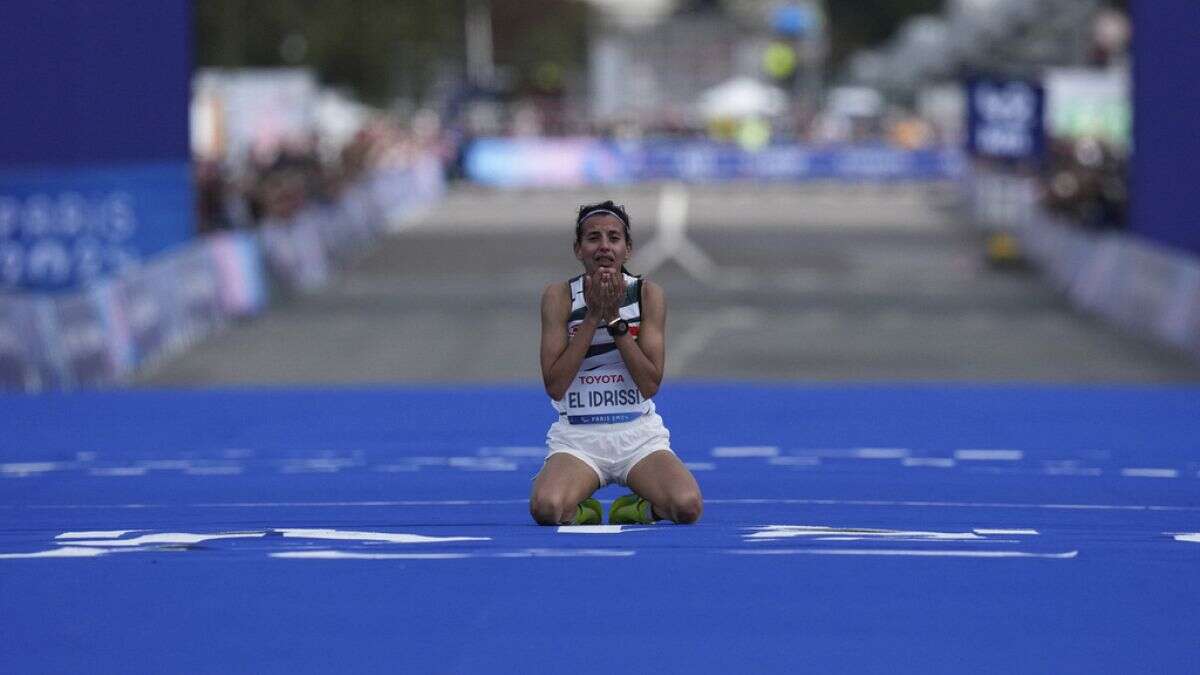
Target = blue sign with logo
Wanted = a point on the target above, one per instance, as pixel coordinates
(1005, 119)
(94, 158)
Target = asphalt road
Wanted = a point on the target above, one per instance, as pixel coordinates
(779, 282)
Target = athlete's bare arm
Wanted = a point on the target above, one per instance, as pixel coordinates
(562, 355)
(646, 355)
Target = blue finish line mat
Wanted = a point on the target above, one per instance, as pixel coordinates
(846, 529)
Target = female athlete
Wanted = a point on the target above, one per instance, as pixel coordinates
(602, 354)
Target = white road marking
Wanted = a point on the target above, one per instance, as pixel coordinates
(692, 342)
(1150, 473)
(745, 451)
(670, 240)
(923, 553)
(989, 455)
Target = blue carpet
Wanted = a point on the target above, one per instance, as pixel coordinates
(847, 529)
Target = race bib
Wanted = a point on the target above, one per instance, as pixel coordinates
(603, 398)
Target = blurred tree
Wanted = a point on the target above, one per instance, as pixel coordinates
(864, 23)
(384, 49)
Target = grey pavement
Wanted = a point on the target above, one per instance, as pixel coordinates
(818, 282)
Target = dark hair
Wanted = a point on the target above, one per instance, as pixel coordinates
(588, 210)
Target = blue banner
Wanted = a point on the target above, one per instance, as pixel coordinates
(576, 162)
(94, 158)
(65, 227)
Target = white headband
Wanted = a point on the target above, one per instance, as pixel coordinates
(599, 211)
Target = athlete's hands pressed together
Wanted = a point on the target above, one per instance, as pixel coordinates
(604, 291)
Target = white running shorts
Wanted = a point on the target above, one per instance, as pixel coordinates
(610, 449)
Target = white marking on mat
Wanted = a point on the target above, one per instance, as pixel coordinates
(921, 553)
(390, 537)
(23, 469)
(990, 531)
(700, 466)
(355, 555)
(514, 451)
(745, 451)
(167, 538)
(1070, 470)
(229, 470)
(1193, 537)
(989, 455)
(119, 471)
(1150, 473)
(526, 553)
(787, 531)
(165, 464)
(794, 461)
(590, 529)
(880, 453)
(969, 505)
(95, 534)
(566, 553)
(64, 552)
(483, 463)
(477, 502)
(939, 462)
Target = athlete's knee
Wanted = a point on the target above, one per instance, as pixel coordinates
(687, 507)
(547, 509)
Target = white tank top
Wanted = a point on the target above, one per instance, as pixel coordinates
(603, 391)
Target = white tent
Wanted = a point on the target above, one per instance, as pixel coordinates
(742, 97)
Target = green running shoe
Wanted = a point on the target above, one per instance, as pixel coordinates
(589, 513)
(630, 509)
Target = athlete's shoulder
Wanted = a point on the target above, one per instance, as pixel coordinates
(557, 290)
(652, 292)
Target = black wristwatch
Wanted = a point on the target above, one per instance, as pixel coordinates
(618, 327)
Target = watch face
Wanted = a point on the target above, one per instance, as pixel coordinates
(619, 328)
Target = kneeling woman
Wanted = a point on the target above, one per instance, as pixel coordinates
(602, 353)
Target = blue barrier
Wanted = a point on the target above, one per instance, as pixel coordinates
(98, 336)
(574, 162)
(1128, 280)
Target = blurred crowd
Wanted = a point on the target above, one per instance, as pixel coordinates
(1086, 181)
(278, 179)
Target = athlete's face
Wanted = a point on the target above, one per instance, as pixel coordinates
(602, 244)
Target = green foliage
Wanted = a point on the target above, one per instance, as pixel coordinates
(864, 23)
(387, 48)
